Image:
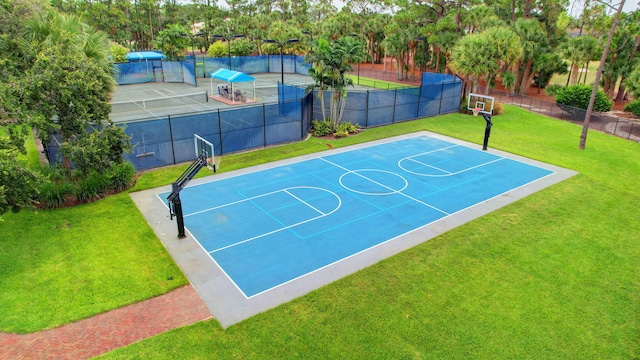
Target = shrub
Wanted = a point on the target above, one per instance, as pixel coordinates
(121, 176)
(633, 107)
(322, 127)
(578, 96)
(86, 191)
(497, 108)
(347, 128)
(463, 106)
(341, 133)
(218, 49)
(552, 90)
(242, 47)
(118, 53)
(93, 186)
(53, 195)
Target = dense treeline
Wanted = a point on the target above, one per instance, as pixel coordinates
(56, 78)
(541, 38)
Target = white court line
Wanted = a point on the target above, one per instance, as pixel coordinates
(150, 112)
(387, 187)
(304, 202)
(285, 293)
(322, 214)
(160, 91)
(447, 173)
(447, 216)
(357, 172)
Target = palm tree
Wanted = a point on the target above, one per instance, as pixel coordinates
(484, 54)
(533, 39)
(331, 60)
(465, 61)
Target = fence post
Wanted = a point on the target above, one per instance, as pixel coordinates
(419, 100)
(220, 132)
(395, 98)
(264, 124)
(302, 118)
(630, 130)
(366, 110)
(173, 147)
(440, 105)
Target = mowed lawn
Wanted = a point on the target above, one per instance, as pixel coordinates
(555, 275)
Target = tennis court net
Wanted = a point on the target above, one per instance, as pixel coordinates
(158, 103)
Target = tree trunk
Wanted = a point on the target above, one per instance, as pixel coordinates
(606, 86)
(437, 58)
(586, 71)
(526, 82)
(587, 116)
(574, 73)
(621, 90)
(412, 56)
(569, 76)
(399, 66)
(527, 8)
(447, 70)
(372, 46)
(487, 85)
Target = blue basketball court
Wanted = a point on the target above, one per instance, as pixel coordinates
(268, 227)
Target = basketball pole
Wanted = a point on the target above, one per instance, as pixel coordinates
(487, 130)
(175, 204)
(177, 212)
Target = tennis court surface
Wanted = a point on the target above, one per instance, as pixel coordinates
(262, 236)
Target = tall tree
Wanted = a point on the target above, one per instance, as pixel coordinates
(587, 116)
(534, 41)
(18, 183)
(330, 61)
(484, 54)
(173, 41)
(67, 88)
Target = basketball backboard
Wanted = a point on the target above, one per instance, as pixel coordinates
(203, 145)
(482, 102)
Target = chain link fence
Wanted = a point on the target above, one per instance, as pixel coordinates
(622, 127)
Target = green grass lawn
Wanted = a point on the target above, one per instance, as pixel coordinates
(375, 83)
(561, 79)
(554, 275)
(32, 157)
(64, 265)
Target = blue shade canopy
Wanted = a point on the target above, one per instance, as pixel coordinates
(231, 76)
(144, 55)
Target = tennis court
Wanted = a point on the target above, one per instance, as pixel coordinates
(263, 236)
(159, 99)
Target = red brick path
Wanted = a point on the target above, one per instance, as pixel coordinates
(105, 332)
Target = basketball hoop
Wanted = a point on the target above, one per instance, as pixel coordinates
(476, 111)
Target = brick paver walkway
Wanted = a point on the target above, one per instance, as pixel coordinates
(105, 332)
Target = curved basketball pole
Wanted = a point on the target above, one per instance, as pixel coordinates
(175, 205)
(487, 130)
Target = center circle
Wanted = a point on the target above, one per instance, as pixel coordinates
(373, 182)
